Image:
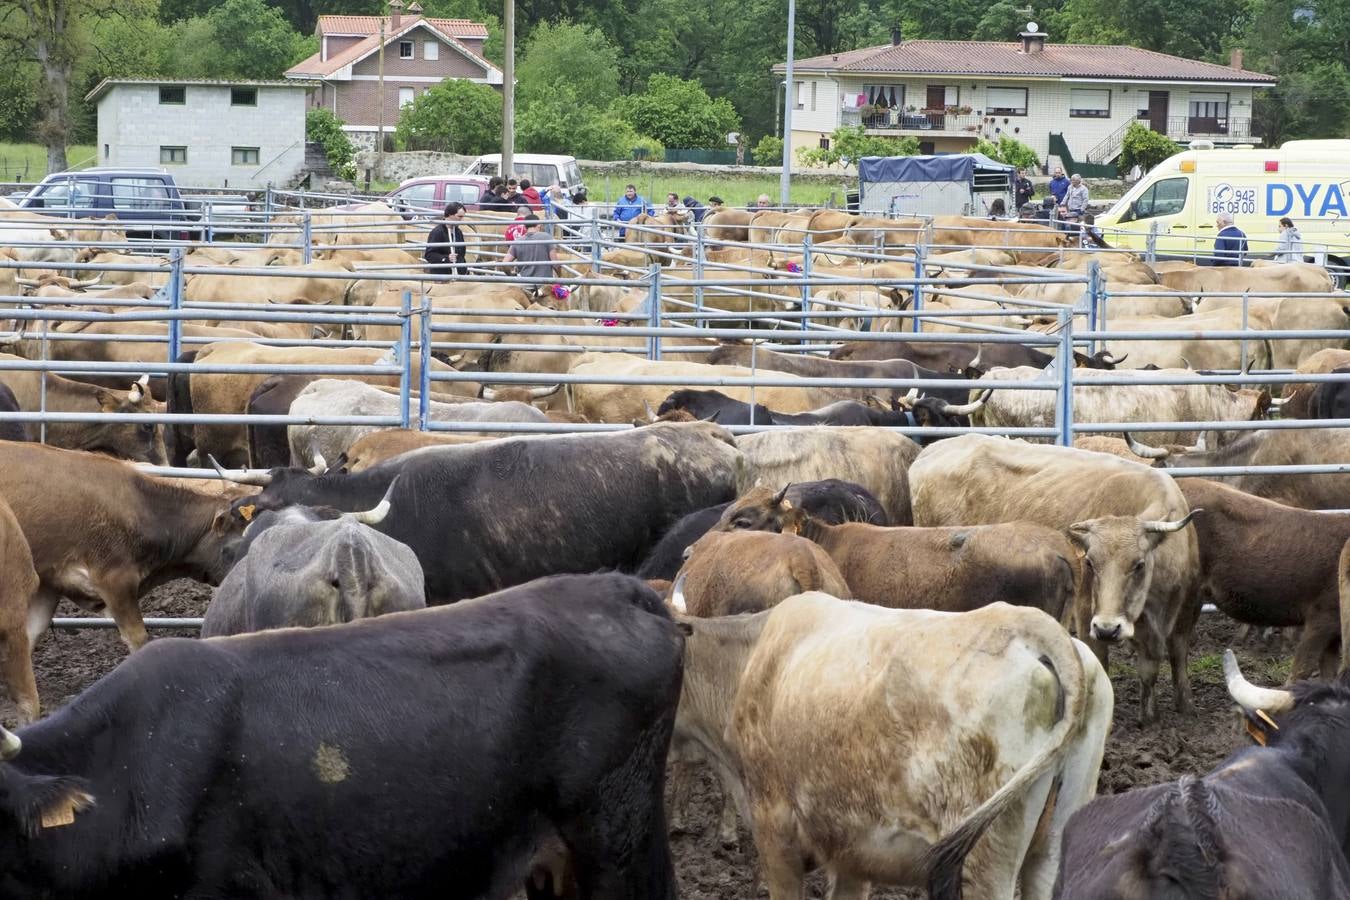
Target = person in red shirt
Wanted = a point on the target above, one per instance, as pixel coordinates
(516, 228)
(531, 194)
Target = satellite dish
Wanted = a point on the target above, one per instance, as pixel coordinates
(1032, 27)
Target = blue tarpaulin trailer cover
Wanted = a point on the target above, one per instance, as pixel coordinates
(948, 167)
(963, 184)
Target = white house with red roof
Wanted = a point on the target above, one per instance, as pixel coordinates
(419, 53)
(948, 94)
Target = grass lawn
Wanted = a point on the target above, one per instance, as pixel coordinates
(736, 191)
(28, 162)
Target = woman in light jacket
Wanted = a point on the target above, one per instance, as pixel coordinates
(1290, 248)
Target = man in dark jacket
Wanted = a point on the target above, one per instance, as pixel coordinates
(489, 198)
(1023, 188)
(445, 251)
(1059, 186)
(1230, 245)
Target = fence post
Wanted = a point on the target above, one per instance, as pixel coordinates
(267, 214)
(1095, 295)
(1151, 244)
(1065, 405)
(209, 233)
(917, 305)
(654, 311)
(307, 237)
(699, 261)
(806, 279)
(405, 358)
(424, 355)
(42, 385)
(175, 302)
(1242, 367)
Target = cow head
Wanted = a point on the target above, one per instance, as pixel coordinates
(934, 412)
(136, 441)
(1102, 359)
(1118, 554)
(758, 509)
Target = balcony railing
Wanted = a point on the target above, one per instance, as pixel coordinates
(916, 122)
(1180, 127)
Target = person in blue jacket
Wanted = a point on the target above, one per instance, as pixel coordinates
(1230, 246)
(1059, 186)
(630, 206)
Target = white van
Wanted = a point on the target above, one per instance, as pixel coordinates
(1306, 181)
(542, 169)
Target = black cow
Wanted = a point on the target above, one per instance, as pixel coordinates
(1331, 399)
(179, 440)
(1270, 821)
(268, 445)
(13, 431)
(482, 517)
(957, 358)
(831, 500)
(429, 754)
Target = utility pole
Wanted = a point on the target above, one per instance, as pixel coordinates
(789, 100)
(379, 135)
(508, 87)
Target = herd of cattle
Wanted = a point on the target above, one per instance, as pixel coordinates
(866, 635)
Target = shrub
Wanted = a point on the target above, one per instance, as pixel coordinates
(1145, 148)
(322, 127)
(769, 151)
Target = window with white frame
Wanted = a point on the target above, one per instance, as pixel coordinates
(802, 91)
(405, 49)
(431, 50)
(891, 96)
(1002, 101)
(405, 96)
(1089, 103)
(813, 96)
(1209, 106)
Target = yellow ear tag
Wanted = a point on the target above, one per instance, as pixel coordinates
(58, 816)
(246, 512)
(1256, 734)
(786, 504)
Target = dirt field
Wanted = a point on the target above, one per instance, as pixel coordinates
(67, 662)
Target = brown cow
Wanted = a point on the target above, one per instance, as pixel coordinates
(955, 569)
(378, 446)
(1243, 574)
(17, 588)
(727, 574)
(139, 441)
(1294, 404)
(103, 532)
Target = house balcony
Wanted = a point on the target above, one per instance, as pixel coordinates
(917, 123)
(1226, 130)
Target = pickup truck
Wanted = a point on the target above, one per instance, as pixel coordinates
(147, 201)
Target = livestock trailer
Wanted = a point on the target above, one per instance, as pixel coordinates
(956, 184)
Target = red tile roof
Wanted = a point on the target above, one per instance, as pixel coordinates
(317, 67)
(994, 58)
(457, 28)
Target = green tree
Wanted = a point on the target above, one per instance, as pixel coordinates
(850, 143)
(322, 127)
(576, 57)
(769, 151)
(1145, 148)
(457, 116)
(679, 113)
(252, 40)
(1008, 150)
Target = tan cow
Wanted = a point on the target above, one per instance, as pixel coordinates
(876, 458)
(1294, 404)
(138, 441)
(1220, 354)
(94, 256)
(376, 447)
(1127, 521)
(1094, 403)
(728, 225)
(18, 587)
(889, 745)
(927, 568)
(1281, 447)
(727, 574)
(970, 231)
(1285, 278)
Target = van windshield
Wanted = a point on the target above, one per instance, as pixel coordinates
(1162, 198)
(572, 173)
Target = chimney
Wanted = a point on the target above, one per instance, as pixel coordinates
(414, 9)
(1033, 39)
(1235, 58)
(896, 35)
(395, 15)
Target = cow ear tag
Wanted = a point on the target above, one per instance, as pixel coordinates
(246, 512)
(62, 812)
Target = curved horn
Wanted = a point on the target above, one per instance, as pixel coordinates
(651, 413)
(144, 381)
(1248, 695)
(251, 478)
(781, 495)
(1277, 402)
(10, 745)
(540, 393)
(489, 393)
(376, 516)
(1248, 367)
(676, 596)
(135, 393)
(1157, 526)
(974, 363)
(965, 409)
(1186, 364)
(910, 397)
(320, 464)
(1107, 357)
(84, 284)
(1145, 450)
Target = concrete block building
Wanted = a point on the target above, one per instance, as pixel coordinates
(238, 134)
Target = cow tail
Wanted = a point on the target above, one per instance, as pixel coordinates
(942, 863)
(179, 439)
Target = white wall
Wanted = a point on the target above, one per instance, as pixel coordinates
(133, 125)
(1047, 108)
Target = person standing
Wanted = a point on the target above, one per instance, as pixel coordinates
(535, 253)
(763, 202)
(1230, 245)
(1059, 186)
(446, 248)
(517, 228)
(629, 207)
(1290, 248)
(489, 198)
(1076, 198)
(531, 194)
(1023, 189)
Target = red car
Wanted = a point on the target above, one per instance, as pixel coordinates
(418, 197)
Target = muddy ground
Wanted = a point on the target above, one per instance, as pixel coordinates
(67, 662)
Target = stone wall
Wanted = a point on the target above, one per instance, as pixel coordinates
(398, 167)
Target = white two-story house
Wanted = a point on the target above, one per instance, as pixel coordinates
(1073, 101)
